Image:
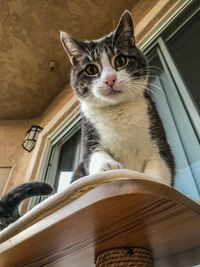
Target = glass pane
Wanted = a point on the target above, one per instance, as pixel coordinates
(64, 180)
(184, 48)
(180, 133)
(69, 157)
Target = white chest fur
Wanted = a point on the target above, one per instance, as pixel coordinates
(124, 132)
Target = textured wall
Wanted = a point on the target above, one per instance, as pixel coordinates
(29, 40)
(12, 134)
(11, 152)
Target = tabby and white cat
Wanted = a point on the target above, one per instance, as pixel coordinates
(121, 127)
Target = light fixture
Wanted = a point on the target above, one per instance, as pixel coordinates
(31, 137)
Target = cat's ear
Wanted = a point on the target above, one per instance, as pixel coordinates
(125, 28)
(72, 47)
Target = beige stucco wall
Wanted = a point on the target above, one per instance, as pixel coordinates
(12, 154)
(12, 133)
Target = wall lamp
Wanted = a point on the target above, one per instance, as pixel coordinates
(31, 137)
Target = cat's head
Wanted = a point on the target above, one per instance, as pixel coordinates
(110, 70)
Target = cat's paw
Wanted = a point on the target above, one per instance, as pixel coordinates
(111, 165)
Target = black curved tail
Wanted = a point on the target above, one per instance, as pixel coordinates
(14, 197)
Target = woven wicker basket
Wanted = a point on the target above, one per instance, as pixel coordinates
(125, 257)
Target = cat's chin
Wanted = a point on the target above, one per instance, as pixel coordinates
(109, 100)
(100, 102)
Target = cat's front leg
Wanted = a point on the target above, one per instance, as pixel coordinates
(157, 169)
(102, 161)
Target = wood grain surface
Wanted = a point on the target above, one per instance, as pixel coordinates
(133, 213)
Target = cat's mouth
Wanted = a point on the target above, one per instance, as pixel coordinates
(112, 92)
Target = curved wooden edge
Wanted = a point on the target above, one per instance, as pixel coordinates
(123, 212)
(126, 181)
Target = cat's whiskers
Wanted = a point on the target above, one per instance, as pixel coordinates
(138, 91)
(147, 76)
(152, 92)
(156, 68)
(151, 76)
(141, 81)
(156, 87)
(152, 67)
(151, 84)
(132, 90)
(131, 94)
(137, 88)
(148, 69)
(156, 77)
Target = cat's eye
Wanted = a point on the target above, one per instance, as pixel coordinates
(120, 61)
(92, 69)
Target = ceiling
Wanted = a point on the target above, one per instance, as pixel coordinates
(29, 42)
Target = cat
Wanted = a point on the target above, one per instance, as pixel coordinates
(9, 203)
(121, 127)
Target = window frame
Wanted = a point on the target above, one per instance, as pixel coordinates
(62, 133)
(181, 88)
(160, 39)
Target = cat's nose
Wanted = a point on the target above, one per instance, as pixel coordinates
(110, 80)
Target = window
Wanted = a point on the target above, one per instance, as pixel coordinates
(174, 60)
(183, 47)
(69, 157)
(178, 126)
(175, 88)
(65, 155)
